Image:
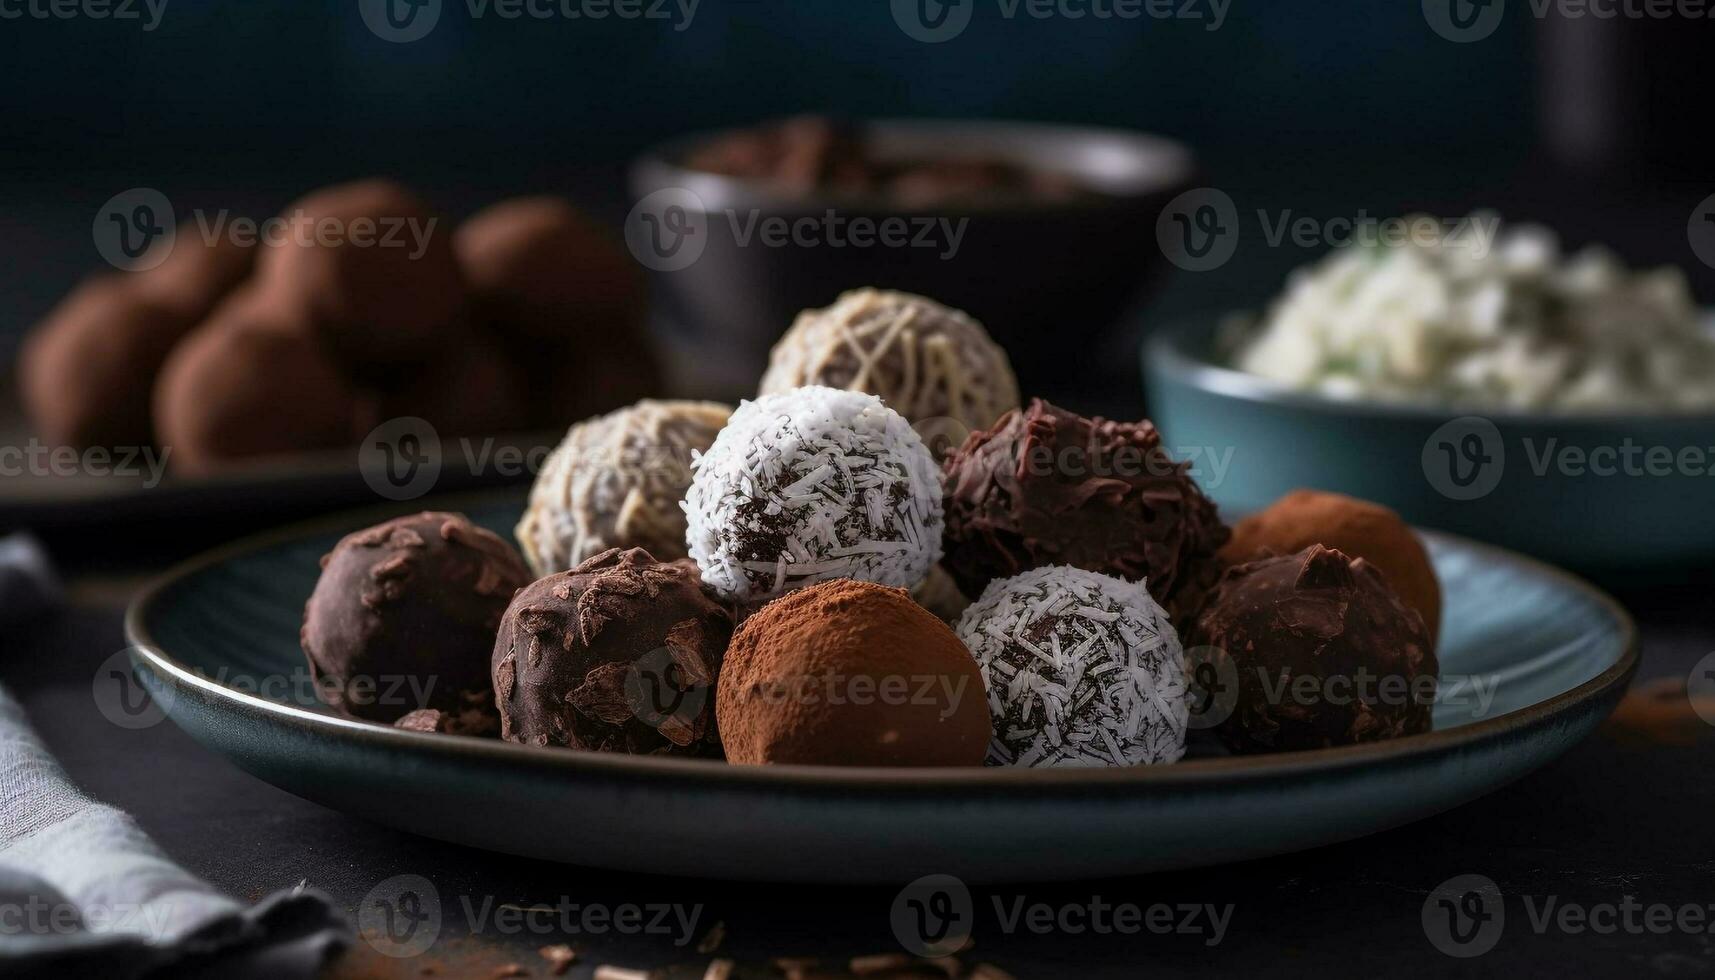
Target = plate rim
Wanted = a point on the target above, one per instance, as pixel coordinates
(1226, 771)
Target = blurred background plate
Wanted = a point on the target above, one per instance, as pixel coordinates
(1557, 653)
(1526, 481)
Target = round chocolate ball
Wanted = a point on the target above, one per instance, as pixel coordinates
(197, 274)
(1048, 487)
(620, 654)
(850, 673)
(1358, 528)
(404, 614)
(371, 267)
(1082, 669)
(809, 485)
(1324, 653)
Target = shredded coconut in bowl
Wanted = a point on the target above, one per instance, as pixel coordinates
(1472, 318)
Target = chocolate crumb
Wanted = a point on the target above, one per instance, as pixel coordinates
(560, 958)
(509, 970)
(878, 963)
(712, 939)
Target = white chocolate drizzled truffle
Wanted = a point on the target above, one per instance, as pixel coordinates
(1082, 669)
(617, 481)
(926, 361)
(813, 484)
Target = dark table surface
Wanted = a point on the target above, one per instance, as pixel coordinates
(1624, 818)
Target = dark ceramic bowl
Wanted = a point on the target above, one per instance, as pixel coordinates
(1045, 276)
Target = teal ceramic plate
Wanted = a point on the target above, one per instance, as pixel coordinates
(1602, 493)
(1542, 659)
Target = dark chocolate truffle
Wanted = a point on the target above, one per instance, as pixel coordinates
(851, 673)
(620, 654)
(245, 384)
(404, 616)
(1324, 653)
(1358, 528)
(371, 267)
(1048, 487)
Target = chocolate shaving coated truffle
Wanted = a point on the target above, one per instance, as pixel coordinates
(1323, 651)
(619, 654)
(404, 614)
(1048, 487)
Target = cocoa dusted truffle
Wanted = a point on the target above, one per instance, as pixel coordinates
(854, 674)
(934, 365)
(1324, 653)
(404, 616)
(1358, 528)
(813, 484)
(1048, 487)
(619, 655)
(1082, 669)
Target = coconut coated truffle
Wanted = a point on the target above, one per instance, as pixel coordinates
(1324, 652)
(620, 654)
(854, 674)
(618, 481)
(932, 364)
(1048, 487)
(403, 618)
(809, 485)
(1356, 527)
(1082, 669)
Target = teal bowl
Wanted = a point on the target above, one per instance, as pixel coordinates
(1601, 493)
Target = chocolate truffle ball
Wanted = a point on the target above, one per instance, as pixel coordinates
(618, 481)
(850, 673)
(1324, 653)
(86, 371)
(404, 616)
(620, 654)
(1082, 669)
(934, 365)
(371, 267)
(1358, 528)
(809, 485)
(1048, 487)
(197, 274)
(243, 384)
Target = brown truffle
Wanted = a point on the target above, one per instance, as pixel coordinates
(246, 384)
(1358, 528)
(404, 614)
(197, 274)
(851, 673)
(370, 267)
(1045, 486)
(86, 372)
(619, 654)
(1322, 653)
